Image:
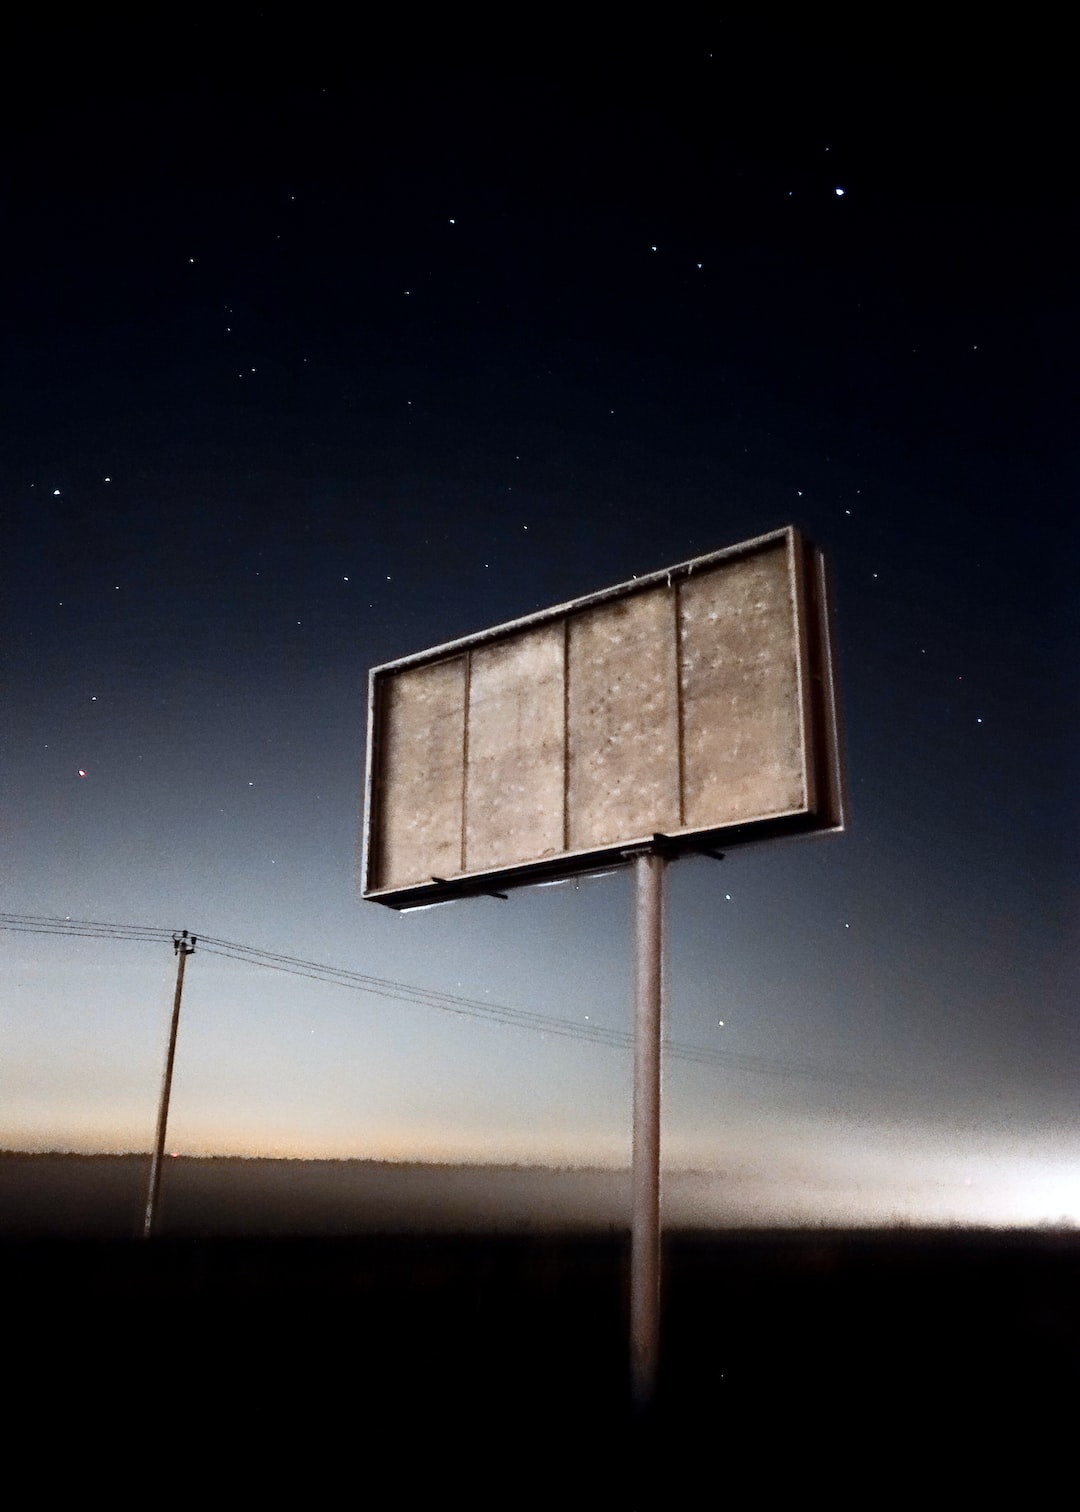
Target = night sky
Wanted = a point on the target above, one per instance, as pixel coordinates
(316, 354)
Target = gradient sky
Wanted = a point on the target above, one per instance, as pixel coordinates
(313, 361)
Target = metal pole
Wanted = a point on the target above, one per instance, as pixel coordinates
(183, 950)
(645, 1221)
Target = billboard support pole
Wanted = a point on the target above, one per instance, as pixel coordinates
(645, 1219)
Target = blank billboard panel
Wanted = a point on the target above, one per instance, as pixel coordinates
(622, 774)
(514, 755)
(696, 704)
(423, 720)
(739, 677)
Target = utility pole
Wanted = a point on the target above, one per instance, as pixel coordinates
(183, 946)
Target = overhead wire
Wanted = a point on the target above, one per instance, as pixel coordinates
(386, 988)
(87, 928)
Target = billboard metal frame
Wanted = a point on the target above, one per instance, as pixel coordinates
(825, 805)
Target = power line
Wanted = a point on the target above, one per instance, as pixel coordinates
(393, 991)
(88, 928)
(429, 998)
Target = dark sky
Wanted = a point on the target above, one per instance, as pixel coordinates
(319, 352)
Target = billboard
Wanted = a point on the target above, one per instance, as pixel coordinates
(690, 708)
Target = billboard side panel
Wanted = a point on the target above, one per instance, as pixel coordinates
(828, 735)
(421, 720)
(622, 778)
(802, 592)
(741, 690)
(515, 743)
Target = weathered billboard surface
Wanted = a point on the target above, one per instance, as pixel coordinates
(697, 704)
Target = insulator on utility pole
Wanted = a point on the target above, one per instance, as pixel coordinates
(183, 946)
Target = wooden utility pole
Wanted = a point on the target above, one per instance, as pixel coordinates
(183, 946)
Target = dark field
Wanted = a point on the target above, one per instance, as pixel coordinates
(491, 1367)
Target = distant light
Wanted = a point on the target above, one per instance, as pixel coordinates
(81, 772)
(839, 190)
(56, 493)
